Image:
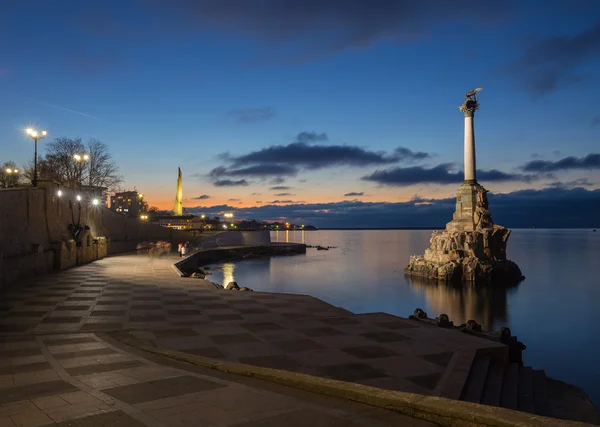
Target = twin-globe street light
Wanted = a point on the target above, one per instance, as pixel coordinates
(36, 136)
(80, 158)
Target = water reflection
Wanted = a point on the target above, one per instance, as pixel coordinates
(228, 270)
(485, 304)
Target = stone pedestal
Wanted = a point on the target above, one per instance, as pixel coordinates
(471, 248)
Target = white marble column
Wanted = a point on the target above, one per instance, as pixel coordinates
(469, 166)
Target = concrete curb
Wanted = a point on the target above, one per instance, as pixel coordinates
(438, 410)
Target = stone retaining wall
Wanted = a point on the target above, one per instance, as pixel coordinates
(35, 238)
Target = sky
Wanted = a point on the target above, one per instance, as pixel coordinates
(330, 112)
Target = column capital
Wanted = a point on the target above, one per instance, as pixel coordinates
(468, 108)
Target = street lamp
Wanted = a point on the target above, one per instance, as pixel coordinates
(36, 136)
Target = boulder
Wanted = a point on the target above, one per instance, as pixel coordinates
(197, 276)
(243, 288)
(232, 286)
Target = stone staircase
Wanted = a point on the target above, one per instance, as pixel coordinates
(521, 388)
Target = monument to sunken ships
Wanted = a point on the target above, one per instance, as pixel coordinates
(471, 248)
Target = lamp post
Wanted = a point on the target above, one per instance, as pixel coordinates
(80, 159)
(36, 136)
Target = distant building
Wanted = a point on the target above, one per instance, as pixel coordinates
(181, 222)
(130, 203)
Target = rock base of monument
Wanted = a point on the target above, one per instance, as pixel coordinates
(471, 248)
(469, 269)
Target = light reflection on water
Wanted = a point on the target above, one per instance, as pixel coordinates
(554, 311)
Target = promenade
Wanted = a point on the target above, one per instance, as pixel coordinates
(63, 360)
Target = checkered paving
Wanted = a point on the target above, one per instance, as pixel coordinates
(293, 332)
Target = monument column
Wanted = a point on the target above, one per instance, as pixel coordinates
(468, 108)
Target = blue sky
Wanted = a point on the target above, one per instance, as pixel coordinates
(180, 83)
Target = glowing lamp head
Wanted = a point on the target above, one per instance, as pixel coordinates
(8, 170)
(95, 202)
(78, 198)
(77, 157)
(28, 131)
(59, 193)
(15, 170)
(34, 134)
(86, 157)
(44, 133)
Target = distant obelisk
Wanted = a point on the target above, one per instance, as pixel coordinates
(178, 208)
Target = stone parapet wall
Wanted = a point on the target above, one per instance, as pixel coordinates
(35, 236)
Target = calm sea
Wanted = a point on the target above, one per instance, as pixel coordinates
(555, 311)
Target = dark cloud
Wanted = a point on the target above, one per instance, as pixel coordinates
(281, 187)
(595, 120)
(591, 161)
(281, 201)
(256, 194)
(552, 62)
(278, 180)
(233, 200)
(405, 154)
(354, 194)
(283, 194)
(551, 207)
(440, 174)
(252, 115)
(315, 28)
(260, 170)
(311, 137)
(202, 197)
(231, 183)
(301, 154)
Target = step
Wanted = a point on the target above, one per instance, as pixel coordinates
(492, 391)
(540, 392)
(476, 380)
(526, 402)
(510, 387)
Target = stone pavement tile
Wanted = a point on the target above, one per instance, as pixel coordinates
(192, 415)
(160, 389)
(302, 418)
(84, 353)
(100, 368)
(25, 313)
(337, 321)
(6, 410)
(441, 359)
(167, 402)
(323, 357)
(31, 367)
(324, 331)
(31, 391)
(428, 381)
(254, 349)
(49, 402)
(7, 422)
(101, 326)
(35, 377)
(97, 383)
(23, 352)
(25, 360)
(33, 418)
(225, 317)
(280, 335)
(183, 343)
(276, 361)
(369, 352)
(233, 339)
(112, 419)
(386, 336)
(350, 372)
(343, 341)
(178, 332)
(261, 326)
(72, 308)
(295, 346)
